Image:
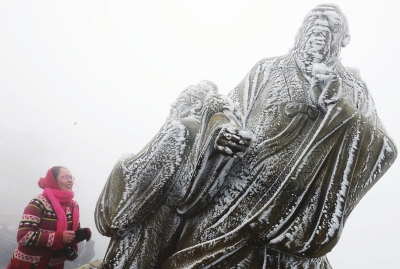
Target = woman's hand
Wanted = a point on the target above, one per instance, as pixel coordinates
(68, 236)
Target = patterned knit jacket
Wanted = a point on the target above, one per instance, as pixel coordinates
(38, 236)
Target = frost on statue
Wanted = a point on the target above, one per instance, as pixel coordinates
(263, 178)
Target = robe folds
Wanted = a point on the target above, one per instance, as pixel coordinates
(285, 202)
(138, 205)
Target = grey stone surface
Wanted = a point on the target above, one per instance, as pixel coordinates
(262, 178)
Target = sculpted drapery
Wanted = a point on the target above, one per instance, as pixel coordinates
(201, 195)
(137, 207)
(285, 203)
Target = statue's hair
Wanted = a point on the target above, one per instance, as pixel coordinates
(193, 93)
(307, 22)
(201, 90)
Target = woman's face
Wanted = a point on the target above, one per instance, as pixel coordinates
(65, 180)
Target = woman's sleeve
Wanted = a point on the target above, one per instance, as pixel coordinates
(29, 233)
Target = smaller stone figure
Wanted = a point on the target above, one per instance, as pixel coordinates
(137, 207)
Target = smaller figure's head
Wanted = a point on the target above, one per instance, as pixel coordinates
(63, 178)
(323, 32)
(190, 102)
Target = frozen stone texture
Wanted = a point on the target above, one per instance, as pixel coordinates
(263, 178)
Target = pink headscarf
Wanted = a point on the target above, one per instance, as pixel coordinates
(53, 192)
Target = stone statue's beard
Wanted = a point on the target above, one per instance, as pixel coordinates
(315, 49)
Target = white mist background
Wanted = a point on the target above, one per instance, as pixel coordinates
(83, 82)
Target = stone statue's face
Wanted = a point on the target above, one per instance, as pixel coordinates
(323, 34)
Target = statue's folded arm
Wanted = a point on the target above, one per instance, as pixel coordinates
(138, 183)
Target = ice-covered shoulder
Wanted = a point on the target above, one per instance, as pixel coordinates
(263, 65)
(354, 70)
(350, 74)
(267, 63)
(125, 156)
(359, 93)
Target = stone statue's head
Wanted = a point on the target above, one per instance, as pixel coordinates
(322, 35)
(190, 102)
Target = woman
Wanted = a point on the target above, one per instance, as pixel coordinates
(49, 229)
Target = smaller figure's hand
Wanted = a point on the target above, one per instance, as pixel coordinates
(327, 86)
(232, 141)
(68, 236)
(331, 93)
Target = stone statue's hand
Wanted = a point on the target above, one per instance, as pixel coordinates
(327, 86)
(332, 91)
(233, 141)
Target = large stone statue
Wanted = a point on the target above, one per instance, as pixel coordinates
(263, 178)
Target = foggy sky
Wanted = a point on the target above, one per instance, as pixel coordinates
(83, 82)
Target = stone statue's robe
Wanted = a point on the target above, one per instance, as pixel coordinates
(285, 203)
(137, 207)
